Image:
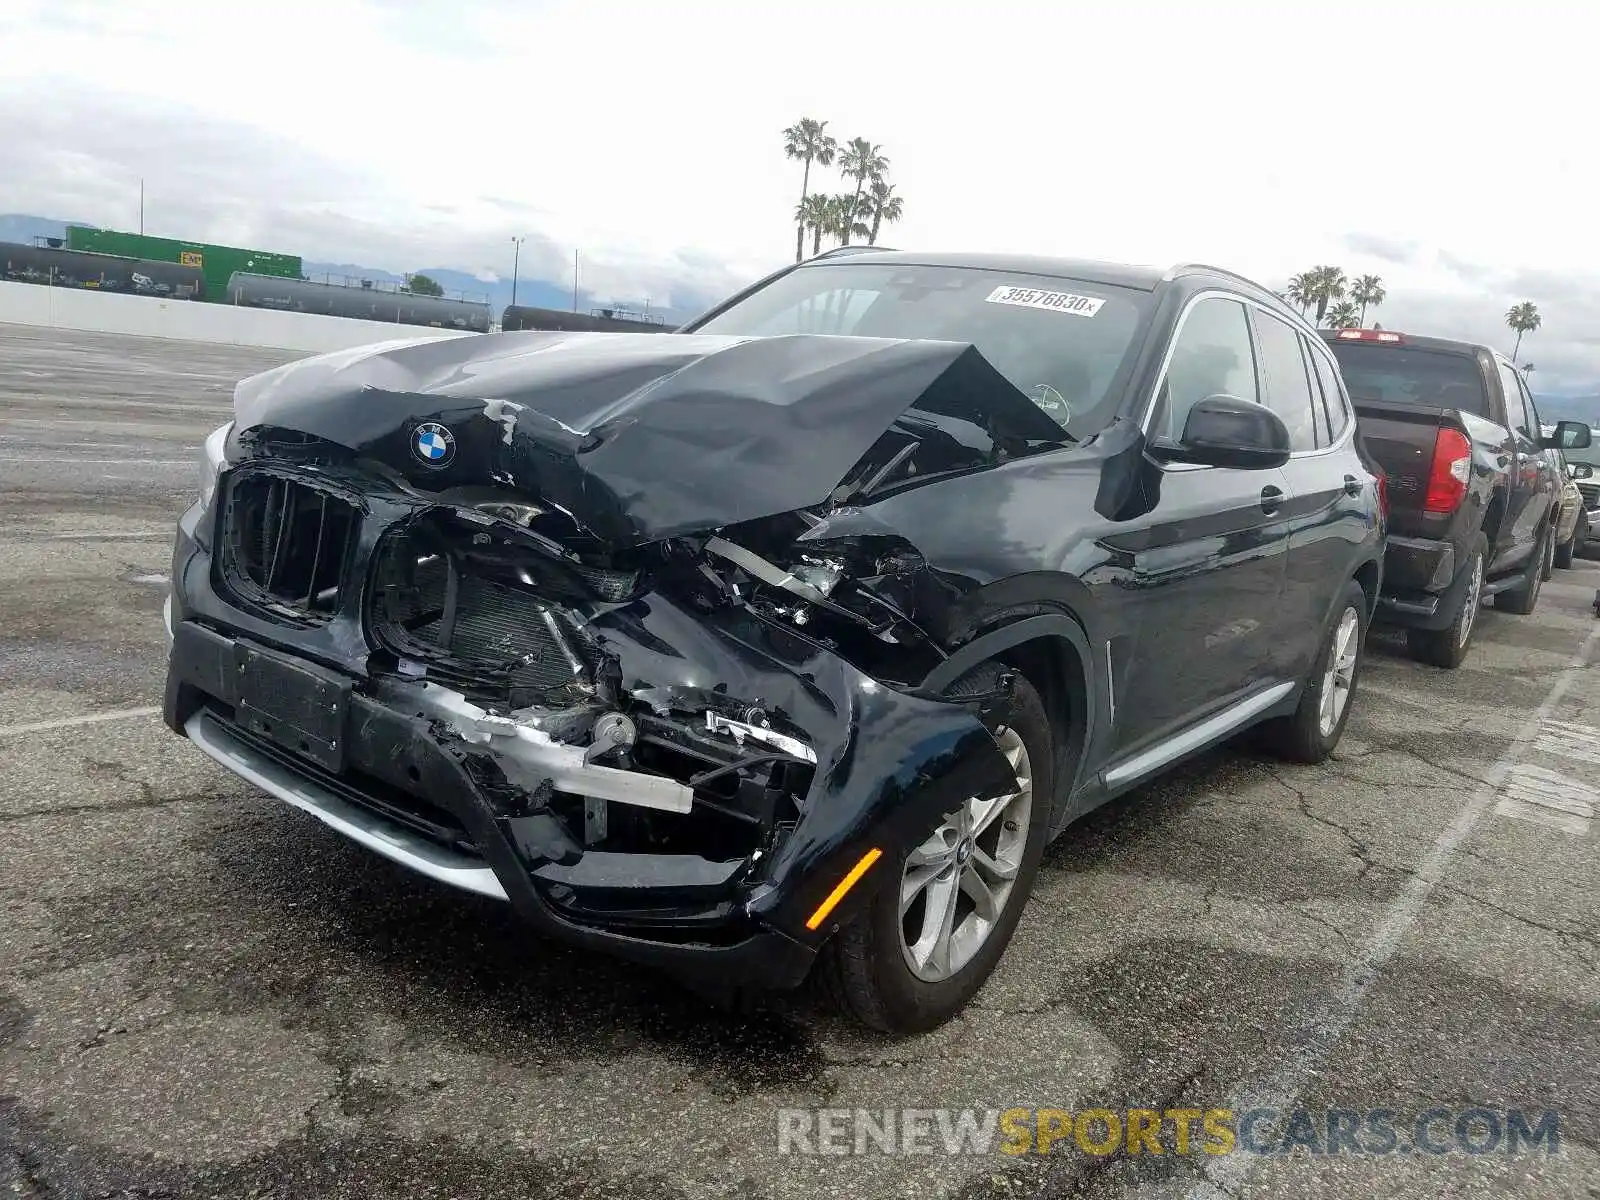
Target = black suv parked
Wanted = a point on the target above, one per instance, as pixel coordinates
(800, 630)
(1475, 498)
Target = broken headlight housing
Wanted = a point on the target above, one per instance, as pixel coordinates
(213, 458)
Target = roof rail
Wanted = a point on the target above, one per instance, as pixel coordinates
(1182, 268)
(839, 250)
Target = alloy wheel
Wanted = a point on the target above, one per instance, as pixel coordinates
(956, 884)
(1341, 674)
(1473, 599)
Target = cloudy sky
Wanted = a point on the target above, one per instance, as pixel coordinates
(1446, 147)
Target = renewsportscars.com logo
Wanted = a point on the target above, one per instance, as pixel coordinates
(1102, 1132)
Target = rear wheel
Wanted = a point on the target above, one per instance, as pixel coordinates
(1447, 647)
(1311, 733)
(945, 912)
(1523, 598)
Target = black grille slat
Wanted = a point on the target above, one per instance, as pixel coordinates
(278, 491)
(316, 554)
(285, 545)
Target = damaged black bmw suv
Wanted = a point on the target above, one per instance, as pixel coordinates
(797, 632)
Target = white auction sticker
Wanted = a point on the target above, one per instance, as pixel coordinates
(1065, 302)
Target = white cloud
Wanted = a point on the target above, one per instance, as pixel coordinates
(1253, 133)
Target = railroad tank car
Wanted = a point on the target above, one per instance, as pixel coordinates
(365, 304)
(520, 316)
(60, 267)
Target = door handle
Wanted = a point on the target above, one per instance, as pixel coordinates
(1352, 486)
(1271, 498)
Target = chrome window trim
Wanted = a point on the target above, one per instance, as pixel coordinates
(1148, 410)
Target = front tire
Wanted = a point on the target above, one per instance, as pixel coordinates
(925, 945)
(1311, 733)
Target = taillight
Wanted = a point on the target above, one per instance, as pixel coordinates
(1383, 494)
(1452, 467)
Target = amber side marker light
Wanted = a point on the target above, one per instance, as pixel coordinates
(845, 884)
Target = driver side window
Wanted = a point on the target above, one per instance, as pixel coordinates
(1212, 355)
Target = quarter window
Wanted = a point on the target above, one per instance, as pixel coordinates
(1288, 389)
(1212, 356)
(1332, 394)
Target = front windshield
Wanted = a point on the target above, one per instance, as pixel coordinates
(1065, 343)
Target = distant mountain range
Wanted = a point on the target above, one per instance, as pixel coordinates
(536, 293)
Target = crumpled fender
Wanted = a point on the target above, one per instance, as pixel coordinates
(889, 763)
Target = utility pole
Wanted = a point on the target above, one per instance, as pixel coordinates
(141, 207)
(516, 262)
(574, 281)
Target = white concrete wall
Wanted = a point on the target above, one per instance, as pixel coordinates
(192, 321)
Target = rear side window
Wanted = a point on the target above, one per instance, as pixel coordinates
(1338, 413)
(1212, 357)
(1405, 375)
(1288, 389)
(1517, 414)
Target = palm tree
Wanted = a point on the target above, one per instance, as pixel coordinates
(1368, 291)
(1522, 318)
(1346, 314)
(1301, 291)
(884, 205)
(815, 215)
(1329, 287)
(844, 217)
(808, 141)
(862, 161)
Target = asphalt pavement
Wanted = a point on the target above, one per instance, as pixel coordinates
(206, 994)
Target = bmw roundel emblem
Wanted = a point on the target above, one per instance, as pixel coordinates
(433, 444)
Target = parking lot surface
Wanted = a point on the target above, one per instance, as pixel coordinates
(206, 994)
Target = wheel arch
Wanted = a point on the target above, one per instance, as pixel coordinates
(1053, 652)
(1369, 575)
(1493, 513)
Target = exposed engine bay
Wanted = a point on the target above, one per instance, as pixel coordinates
(668, 690)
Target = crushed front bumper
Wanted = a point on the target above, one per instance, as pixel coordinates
(413, 773)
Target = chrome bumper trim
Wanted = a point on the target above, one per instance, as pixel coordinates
(385, 838)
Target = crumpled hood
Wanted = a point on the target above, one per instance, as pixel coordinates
(638, 436)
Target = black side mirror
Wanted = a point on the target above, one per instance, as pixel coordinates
(1581, 471)
(1225, 431)
(1568, 435)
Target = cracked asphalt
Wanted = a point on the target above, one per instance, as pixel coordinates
(206, 994)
